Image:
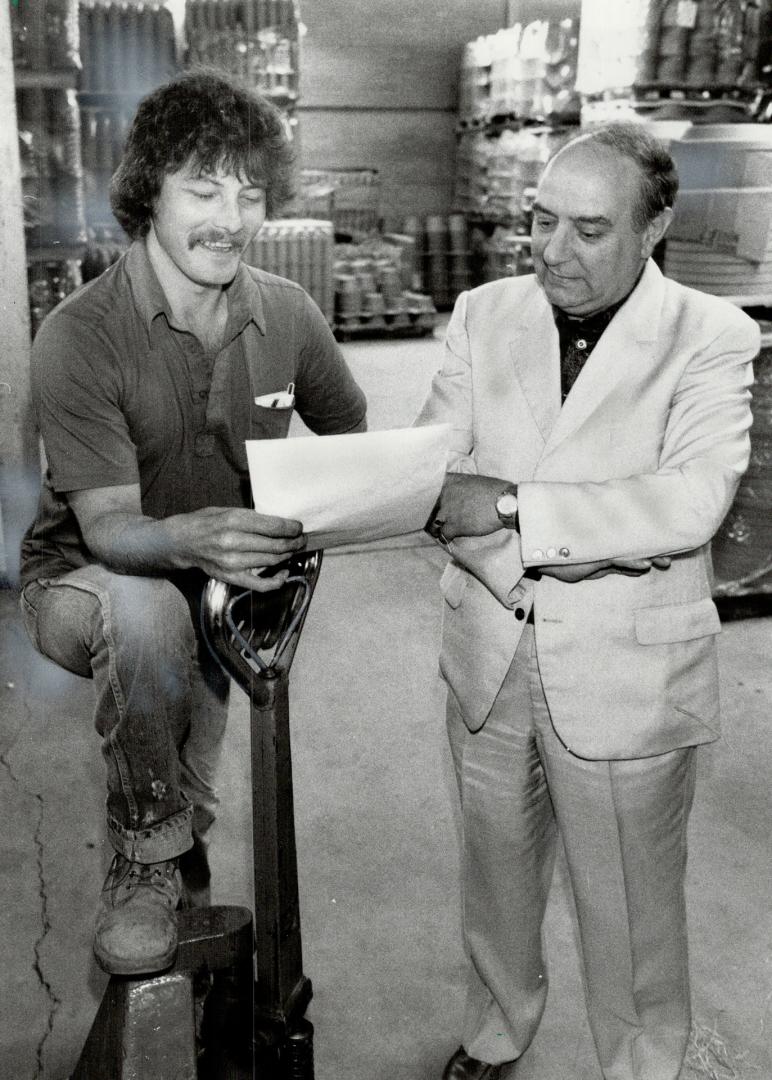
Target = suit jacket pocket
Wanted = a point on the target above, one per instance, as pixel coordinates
(453, 584)
(669, 623)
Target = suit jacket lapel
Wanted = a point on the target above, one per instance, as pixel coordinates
(624, 346)
(536, 358)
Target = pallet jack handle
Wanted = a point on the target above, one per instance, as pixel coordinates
(255, 635)
(241, 627)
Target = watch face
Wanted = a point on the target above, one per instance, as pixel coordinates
(506, 504)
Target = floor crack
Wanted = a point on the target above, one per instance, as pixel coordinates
(54, 1002)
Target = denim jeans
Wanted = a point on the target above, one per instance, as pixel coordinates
(161, 698)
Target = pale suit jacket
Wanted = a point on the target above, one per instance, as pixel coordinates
(642, 459)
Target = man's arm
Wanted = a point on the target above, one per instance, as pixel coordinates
(679, 506)
(467, 502)
(234, 545)
(618, 522)
(327, 396)
(467, 508)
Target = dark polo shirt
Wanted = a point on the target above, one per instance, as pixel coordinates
(122, 396)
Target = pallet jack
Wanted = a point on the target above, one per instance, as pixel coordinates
(208, 1017)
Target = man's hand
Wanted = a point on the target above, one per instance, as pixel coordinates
(467, 506)
(589, 571)
(236, 545)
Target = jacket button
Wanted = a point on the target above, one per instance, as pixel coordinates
(564, 553)
(519, 614)
(538, 554)
(551, 553)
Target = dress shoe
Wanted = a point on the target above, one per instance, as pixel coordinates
(463, 1067)
(136, 924)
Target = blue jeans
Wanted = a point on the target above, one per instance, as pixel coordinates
(161, 698)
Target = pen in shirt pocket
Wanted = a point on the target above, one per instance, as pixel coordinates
(280, 399)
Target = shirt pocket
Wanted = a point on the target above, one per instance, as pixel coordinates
(269, 422)
(669, 623)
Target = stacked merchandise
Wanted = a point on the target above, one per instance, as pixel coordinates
(506, 252)
(527, 72)
(258, 40)
(375, 289)
(457, 255)
(436, 247)
(442, 245)
(474, 85)
(44, 36)
(350, 197)
(314, 196)
(299, 249)
(496, 171)
(633, 54)
(721, 237)
(127, 49)
(742, 548)
(473, 150)
(763, 111)
(46, 58)
(51, 164)
(378, 279)
(518, 104)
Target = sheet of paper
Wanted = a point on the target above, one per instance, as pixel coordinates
(351, 488)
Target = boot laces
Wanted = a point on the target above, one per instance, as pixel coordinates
(126, 877)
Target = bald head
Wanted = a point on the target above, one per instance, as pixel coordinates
(589, 241)
(657, 175)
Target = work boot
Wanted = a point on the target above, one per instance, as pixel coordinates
(136, 925)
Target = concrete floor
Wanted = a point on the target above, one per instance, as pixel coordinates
(376, 825)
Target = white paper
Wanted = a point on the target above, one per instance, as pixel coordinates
(351, 488)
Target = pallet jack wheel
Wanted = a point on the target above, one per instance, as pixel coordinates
(297, 1054)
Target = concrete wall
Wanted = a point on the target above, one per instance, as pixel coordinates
(379, 87)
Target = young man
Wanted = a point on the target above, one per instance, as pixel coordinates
(146, 384)
(601, 416)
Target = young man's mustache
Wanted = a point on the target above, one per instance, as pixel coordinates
(217, 236)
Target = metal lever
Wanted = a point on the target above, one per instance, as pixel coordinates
(254, 635)
(240, 626)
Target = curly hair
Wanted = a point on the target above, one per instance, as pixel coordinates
(208, 119)
(658, 174)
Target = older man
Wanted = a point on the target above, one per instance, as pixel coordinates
(147, 382)
(600, 415)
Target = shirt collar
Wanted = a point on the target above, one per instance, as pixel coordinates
(149, 298)
(244, 300)
(593, 325)
(245, 303)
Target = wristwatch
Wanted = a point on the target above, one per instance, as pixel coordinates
(506, 507)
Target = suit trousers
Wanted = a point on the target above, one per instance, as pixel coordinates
(623, 827)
